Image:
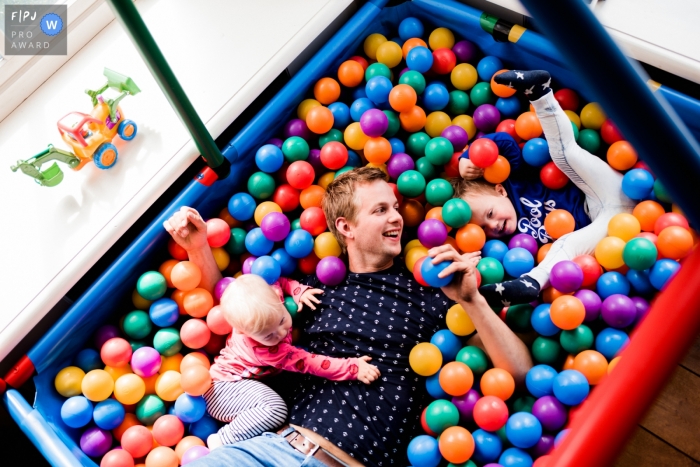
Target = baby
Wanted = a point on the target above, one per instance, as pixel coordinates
(521, 203)
(261, 345)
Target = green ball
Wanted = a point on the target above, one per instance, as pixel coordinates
(333, 135)
(394, 123)
(523, 404)
(149, 409)
(151, 285)
(295, 148)
(261, 185)
(545, 350)
(456, 213)
(296, 224)
(438, 191)
(236, 242)
(439, 151)
(501, 433)
(463, 464)
(411, 183)
(291, 306)
(414, 79)
(377, 69)
(589, 140)
(426, 169)
(661, 193)
(440, 415)
(518, 317)
(474, 358)
(639, 254)
(481, 94)
(576, 132)
(167, 342)
(135, 345)
(340, 172)
(576, 340)
(416, 143)
(491, 270)
(459, 103)
(137, 324)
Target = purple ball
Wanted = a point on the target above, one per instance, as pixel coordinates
(524, 241)
(374, 123)
(465, 51)
(315, 160)
(486, 117)
(543, 447)
(566, 276)
(105, 333)
(275, 226)
(456, 135)
(618, 310)
(550, 412)
(297, 127)
(276, 141)
(95, 441)
(404, 71)
(479, 134)
(331, 270)
(642, 307)
(194, 453)
(465, 404)
(432, 233)
(591, 302)
(220, 287)
(145, 361)
(398, 164)
(493, 464)
(248, 264)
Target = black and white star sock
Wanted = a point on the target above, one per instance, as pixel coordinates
(532, 84)
(524, 289)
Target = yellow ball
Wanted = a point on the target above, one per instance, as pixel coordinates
(389, 53)
(117, 372)
(466, 123)
(354, 137)
(425, 359)
(171, 363)
(129, 389)
(435, 122)
(304, 107)
(68, 381)
(414, 254)
(381, 167)
(326, 245)
(458, 321)
(624, 226)
(265, 208)
(573, 116)
(464, 76)
(592, 116)
(139, 302)
(221, 257)
(97, 385)
(168, 386)
(326, 179)
(410, 245)
(372, 43)
(441, 38)
(613, 363)
(608, 252)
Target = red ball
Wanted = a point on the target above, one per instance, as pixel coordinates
(313, 220)
(281, 174)
(552, 177)
(117, 458)
(218, 232)
(444, 60)
(669, 219)
(361, 60)
(483, 153)
(334, 155)
(478, 278)
(116, 352)
(215, 344)
(300, 174)
(490, 413)
(508, 126)
(286, 197)
(591, 269)
(609, 132)
(307, 265)
(416, 272)
(424, 424)
(568, 99)
(195, 334)
(168, 430)
(176, 251)
(395, 189)
(452, 167)
(137, 440)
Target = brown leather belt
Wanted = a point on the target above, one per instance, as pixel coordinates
(309, 448)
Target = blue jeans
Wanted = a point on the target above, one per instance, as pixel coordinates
(268, 449)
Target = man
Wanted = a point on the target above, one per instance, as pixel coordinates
(380, 311)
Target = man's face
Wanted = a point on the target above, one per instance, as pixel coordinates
(493, 213)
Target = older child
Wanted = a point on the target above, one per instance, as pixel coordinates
(521, 204)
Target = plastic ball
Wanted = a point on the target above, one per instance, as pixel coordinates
(528, 126)
(592, 116)
(486, 117)
(241, 206)
(425, 359)
(497, 382)
(483, 152)
(456, 444)
(674, 242)
(498, 172)
(331, 270)
(518, 261)
(151, 285)
(410, 27)
(441, 38)
(197, 302)
(195, 380)
(491, 270)
(448, 343)
(185, 444)
(621, 156)
(592, 365)
(570, 387)
(168, 430)
(430, 271)
(162, 456)
(97, 385)
(350, 73)
(295, 128)
(567, 312)
(129, 388)
(624, 226)
(190, 408)
(108, 414)
(609, 342)
(117, 458)
(419, 59)
(300, 174)
(456, 378)
(261, 185)
(95, 441)
(326, 91)
(536, 152)
(458, 321)
(464, 76)
(68, 381)
(167, 341)
(669, 219)
(137, 441)
(195, 333)
(456, 213)
(269, 158)
(194, 453)
(539, 380)
(76, 411)
(661, 273)
(378, 89)
(559, 222)
(523, 430)
(440, 415)
(145, 361)
(398, 164)
(116, 352)
(490, 413)
(612, 283)
(551, 413)
(591, 302)
(423, 451)
(435, 96)
(637, 184)
(432, 233)
(639, 254)
(552, 177)
(609, 252)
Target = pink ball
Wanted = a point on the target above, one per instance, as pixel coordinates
(220, 287)
(248, 264)
(145, 361)
(275, 226)
(117, 458)
(116, 352)
(168, 430)
(217, 323)
(566, 276)
(195, 333)
(194, 453)
(218, 232)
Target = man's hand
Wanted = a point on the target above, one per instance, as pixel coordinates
(463, 286)
(468, 171)
(367, 372)
(308, 298)
(187, 228)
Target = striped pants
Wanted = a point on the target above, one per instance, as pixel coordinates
(248, 406)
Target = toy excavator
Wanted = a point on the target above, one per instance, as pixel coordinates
(90, 136)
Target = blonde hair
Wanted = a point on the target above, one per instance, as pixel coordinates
(463, 187)
(340, 200)
(250, 305)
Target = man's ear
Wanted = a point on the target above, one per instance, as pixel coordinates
(344, 227)
(500, 189)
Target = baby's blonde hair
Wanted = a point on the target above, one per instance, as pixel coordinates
(250, 305)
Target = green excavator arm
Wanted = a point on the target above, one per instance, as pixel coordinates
(118, 82)
(51, 176)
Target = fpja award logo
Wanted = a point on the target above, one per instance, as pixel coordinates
(36, 30)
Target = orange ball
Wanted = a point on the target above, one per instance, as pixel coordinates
(411, 43)
(162, 457)
(129, 421)
(621, 155)
(402, 98)
(327, 90)
(456, 378)
(226, 216)
(195, 380)
(311, 196)
(567, 312)
(559, 223)
(497, 382)
(568, 363)
(166, 269)
(198, 302)
(647, 212)
(168, 430)
(351, 73)
(528, 126)
(674, 242)
(414, 254)
(185, 275)
(436, 213)
(497, 172)
(550, 294)
(186, 443)
(319, 120)
(377, 150)
(413, 120)
(470, 238)
(542, 252)
(613, 363)
(501, 90)
(456, 444)
(592, 364)
(412, 212)
(194, 359)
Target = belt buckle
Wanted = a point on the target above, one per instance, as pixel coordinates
(313, 450)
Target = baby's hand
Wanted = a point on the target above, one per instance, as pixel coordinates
(187, 228)
(308, 298)
(468, 171)
(367, 372)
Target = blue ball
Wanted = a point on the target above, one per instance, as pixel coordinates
(191, 409)
(515, 457)
(286, 262)
(560, 437)
(268, 268)
(341, 115)
(76, 411)
(662, 271)
(257, 244)
(164, 312)
(518, 261)
(397, 146)
(108, 414)
(360, 106)
(536, 152)
(611, 283)
(448, 343)
(203, 427)
(542, 322)
(269, 158)
(88, 360)
(430, 272)
(435, 97)
(398, 40)
(508, 106)
(570, 387)
(419, 59)
(423, 451)
(299, 243)
(523, 430)
(378, 89)
(487, 446)
(637, 184)
(432, 385)
(353, 159)
(610, 341)
(488, 66)
(539, 380)
(495, 249)
(640, 281)
(410, 27)
(241, 206)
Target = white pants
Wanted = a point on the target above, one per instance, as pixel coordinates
(601, 184)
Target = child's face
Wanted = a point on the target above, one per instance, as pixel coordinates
(277, 331)
(493, 213)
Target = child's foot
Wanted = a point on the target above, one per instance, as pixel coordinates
(533, 84)
(213, 441)
(524, 289)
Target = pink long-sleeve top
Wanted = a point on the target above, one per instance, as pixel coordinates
(243, 357)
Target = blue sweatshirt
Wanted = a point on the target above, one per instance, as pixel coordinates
(531, 199)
